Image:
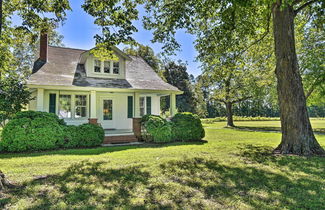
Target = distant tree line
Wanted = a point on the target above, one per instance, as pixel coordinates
(200, 94)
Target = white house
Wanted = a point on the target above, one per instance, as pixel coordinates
(80, 88)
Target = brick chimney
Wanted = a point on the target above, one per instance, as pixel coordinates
(43, 46)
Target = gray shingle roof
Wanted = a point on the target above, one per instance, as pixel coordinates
(63, 69)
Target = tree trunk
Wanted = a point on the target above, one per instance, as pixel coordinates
(230, 121)
(297, 134)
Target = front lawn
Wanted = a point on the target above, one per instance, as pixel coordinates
(235, 169)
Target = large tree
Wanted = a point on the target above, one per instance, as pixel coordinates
(176, 74)
(220, 25)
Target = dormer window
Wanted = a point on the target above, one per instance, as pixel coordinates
(116, 67)
(97, 66)
(107, 67)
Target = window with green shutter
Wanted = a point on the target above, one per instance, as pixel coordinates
(52, 104)
(130, 106)
(148, 105)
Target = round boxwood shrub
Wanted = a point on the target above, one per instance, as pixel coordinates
(30, 134)
(187, 127)
(156, 129)
(89, 135)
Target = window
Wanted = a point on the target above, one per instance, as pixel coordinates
(65, 106)
(80, 106)
(116, 67)
(107, 109)
(107, 66)
(97, 64)
(145, 105)
(142, 106)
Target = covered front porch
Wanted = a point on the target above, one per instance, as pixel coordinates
(118, 112)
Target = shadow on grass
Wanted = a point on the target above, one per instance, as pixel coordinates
(192, 183)
(320, 131)
(263, 155)
(97, 150)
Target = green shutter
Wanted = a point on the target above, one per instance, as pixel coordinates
(52, 103)
(148, 105)
(130, 106)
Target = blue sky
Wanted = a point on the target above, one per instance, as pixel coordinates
(79, 30)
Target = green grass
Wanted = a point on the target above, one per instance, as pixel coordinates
(235, 169)
(318, 125)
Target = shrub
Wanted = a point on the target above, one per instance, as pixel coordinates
(31, 131)
(156, 129)
(26, 134)
(86, 135)
(90, 135)
(36, 114)
(187, 127)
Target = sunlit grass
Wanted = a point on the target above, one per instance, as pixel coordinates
(234, 169)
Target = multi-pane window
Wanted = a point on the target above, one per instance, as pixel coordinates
(116, 67)
(142, 106)
(97, 66)
(107, 66)
(107, 109)
(65, 106)
(80, 106)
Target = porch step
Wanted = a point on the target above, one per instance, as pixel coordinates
(112, 139)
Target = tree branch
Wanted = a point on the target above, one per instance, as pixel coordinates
(242, 99)
(304, 5)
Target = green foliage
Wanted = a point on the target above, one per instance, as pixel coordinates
(27, 134)
(156, 129)
(176, 75)
(13, 96)
(90, 135)
(31, 131)
(33, 115)
(187, 127)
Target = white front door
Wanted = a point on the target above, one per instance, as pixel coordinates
(106, 113)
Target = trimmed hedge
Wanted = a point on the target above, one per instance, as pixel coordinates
(187, 127)
(156, 129)
(34, 131)
(183, 127)
(86, 135)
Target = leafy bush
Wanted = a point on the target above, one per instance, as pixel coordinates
(26, 134)
(90, 135)
(30, 131)
(35, 114)
(156, 129)
(187, 127)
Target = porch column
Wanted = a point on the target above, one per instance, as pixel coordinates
(136, 105)
(40, 100)
(172, 104)
(136, 122)
(93, 108)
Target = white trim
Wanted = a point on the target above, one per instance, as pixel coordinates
(117, 90)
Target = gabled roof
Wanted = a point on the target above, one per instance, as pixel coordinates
(64, 69)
